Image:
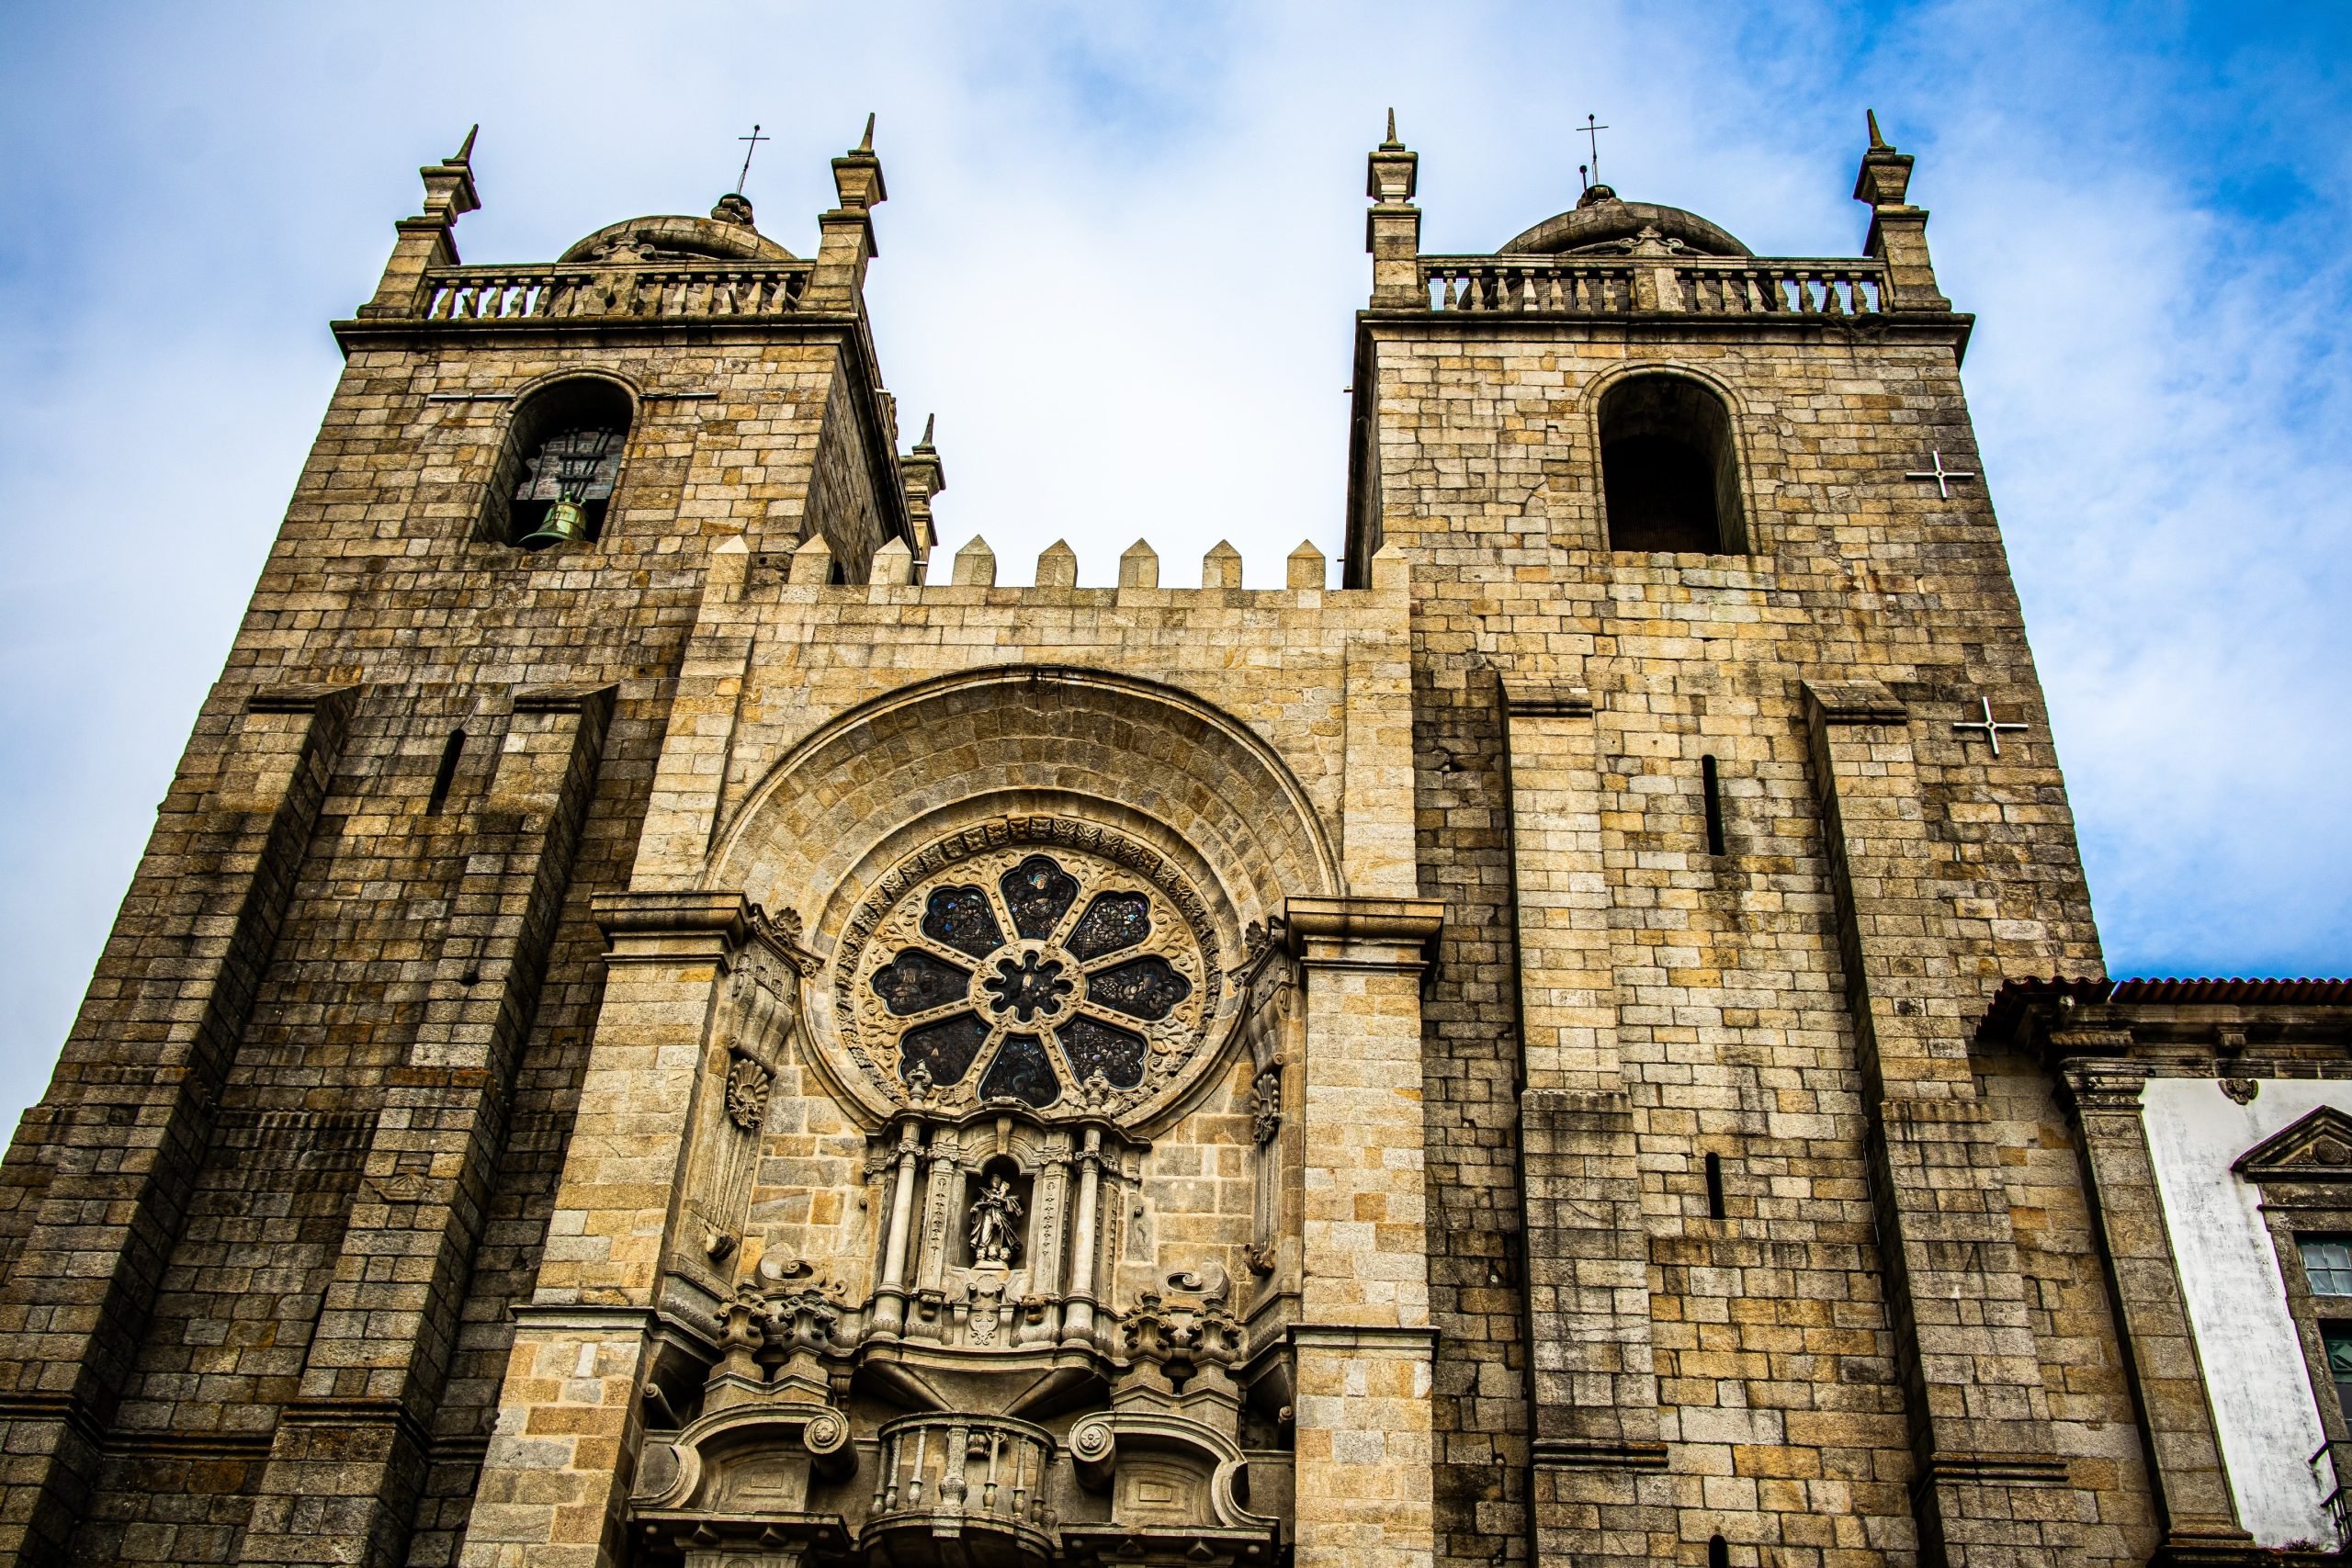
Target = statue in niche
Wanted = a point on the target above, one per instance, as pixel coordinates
(995, 1229)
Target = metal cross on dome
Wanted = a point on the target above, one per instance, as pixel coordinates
(1592, 127)
(754, 138)
(1988, 727)
(1941, 475)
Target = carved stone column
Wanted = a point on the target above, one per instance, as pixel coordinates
(1078, 1310)
(931, 1240)
(898, 1243)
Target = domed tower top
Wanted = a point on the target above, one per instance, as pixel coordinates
(1602, 224)
(726, 236)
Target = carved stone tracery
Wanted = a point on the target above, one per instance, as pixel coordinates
(1039, 961)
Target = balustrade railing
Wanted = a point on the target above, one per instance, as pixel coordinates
(1628, 286)
(982, 1469)
(2337, 1452)
(535, 293)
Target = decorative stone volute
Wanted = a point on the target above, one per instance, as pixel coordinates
(1182, 1336)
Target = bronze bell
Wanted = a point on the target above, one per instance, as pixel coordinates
(565, 524)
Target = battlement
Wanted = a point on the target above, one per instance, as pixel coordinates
(807, 573)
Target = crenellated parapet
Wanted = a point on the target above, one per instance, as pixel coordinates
(974, 567)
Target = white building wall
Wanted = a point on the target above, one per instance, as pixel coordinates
(2263, 1409)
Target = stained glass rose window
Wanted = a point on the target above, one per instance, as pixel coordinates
(1064, 973)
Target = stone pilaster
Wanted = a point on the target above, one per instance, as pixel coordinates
(1988, 1486)
(1598, 1463)
(571, 1415)
(2185, 1466)
(1363, 1345)
(350, 1450)
(144, 1066)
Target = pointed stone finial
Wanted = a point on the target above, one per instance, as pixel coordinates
(1393, 227)
(975, 565)
(1139, 567)
(430, 239)
(894, 566)
(1885, 177)
(1307, 567)
(813, 563)
(865, 142)
(1221, 568)
(1898, 233)
(1391, 572)
(1057, 567)
(929, 424)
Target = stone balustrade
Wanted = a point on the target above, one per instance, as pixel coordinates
(942, 1473)
(561, 292)
(1621, 286)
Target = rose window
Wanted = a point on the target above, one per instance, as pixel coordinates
(1068, 973)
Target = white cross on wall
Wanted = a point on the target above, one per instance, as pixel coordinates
(1941, 475)
(1990, 728)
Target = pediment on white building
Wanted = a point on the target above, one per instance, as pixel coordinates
(2317, 1148)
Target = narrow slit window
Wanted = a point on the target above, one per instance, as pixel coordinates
(1715, 1187)
(1718, 1553)
(447, 773)
(1711, 781)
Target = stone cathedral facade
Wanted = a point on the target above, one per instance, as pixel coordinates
(666, 1021)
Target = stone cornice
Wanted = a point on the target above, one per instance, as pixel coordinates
(1381, 934)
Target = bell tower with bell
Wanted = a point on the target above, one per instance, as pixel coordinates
(467, 638)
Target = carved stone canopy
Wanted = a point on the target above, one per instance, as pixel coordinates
(2317, 1148)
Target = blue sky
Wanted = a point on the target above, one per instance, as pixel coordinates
(1120, 259)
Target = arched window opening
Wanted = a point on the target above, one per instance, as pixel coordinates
(559, 465)
(1718, 1553)
(1669, 477)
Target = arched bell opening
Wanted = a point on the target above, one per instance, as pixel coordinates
(559, 465)
(1670, 470)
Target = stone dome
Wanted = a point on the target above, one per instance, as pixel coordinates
(1599, 223)
(726, 236)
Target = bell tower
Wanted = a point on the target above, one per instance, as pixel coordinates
(262, 1233)
(1711, 616)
